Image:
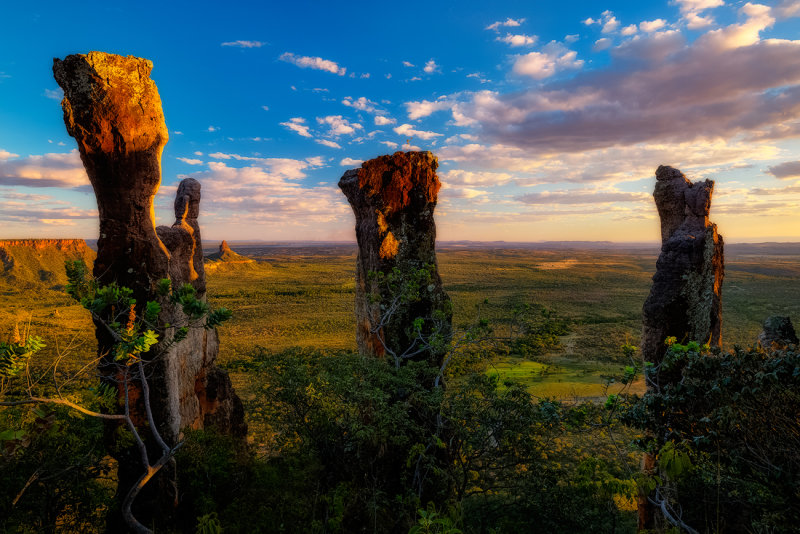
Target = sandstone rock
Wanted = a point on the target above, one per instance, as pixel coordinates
(36, 263)
(113, 110)
(227, 255)
(393, 198)
(685, 299)
(778, 332)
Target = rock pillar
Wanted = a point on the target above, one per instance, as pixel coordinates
(113, 110)
(686, 297)
(393, 198)
(685, 300)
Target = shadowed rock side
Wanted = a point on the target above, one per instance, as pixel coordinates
(112, 109)
(39, 263)
(686, 297)
(778, 333)
(393, 198)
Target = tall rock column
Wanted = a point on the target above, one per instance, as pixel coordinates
(393, 198)
(685, 300)
(113, 110)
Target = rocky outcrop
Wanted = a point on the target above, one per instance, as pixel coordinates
(393, 198)
(227, 255)
(778, 333)
(113, 110)
(39, 263)
(685, 300)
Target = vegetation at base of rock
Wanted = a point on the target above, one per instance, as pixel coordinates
(726, 433)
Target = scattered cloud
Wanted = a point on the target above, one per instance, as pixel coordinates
(350, 162)
(431, 67)
(649, 26)
(407, 64)
(417, 110)
(602, 44)
(265, 108)
(191, 161)
(582, 196)
(309, 62)
(509, 23)
(244, 44)
(786, 171)
(338, 125)
(553, 58)
(212, 128)
(46, 170)
(409, 131)
(518, 40)
(361, 104)
(327, 143)
(381, 120)
(54, 94)
(571, 38)
(297, 124)
(629, 30)
(390, 144)
(471, 178)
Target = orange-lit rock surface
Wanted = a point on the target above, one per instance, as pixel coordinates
(113, 110)
(393, 199)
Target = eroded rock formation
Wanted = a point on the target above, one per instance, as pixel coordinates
(778, 332)
(39, 263)
(393, 198)
(685, 299)
(113, 110)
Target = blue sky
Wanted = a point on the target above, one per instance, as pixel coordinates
(549, 118)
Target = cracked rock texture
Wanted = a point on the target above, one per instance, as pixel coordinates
(685, 300)
(393, 198)
(113, 110)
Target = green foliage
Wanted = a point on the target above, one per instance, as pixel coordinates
(14, 356)
(727, 435)
(432, 522)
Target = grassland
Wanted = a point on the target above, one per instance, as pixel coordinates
(303, 296)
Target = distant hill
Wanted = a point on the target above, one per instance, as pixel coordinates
(225, 257)
(39, 263)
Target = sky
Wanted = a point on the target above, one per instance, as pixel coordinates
(548, 118)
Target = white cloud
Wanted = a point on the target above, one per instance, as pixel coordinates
(601, 44)
(361, 104)
(390, 144)
(431, 67)
(5, 154)
(631, 29)
(590, 21)
(310, 62)
(338, 125)
(212, 128)
(327, 143)
(583, 196)
(417, 110)
(244, 44)
(470, 178)
(758, 18)
(571, 38)
(408, 130)
(265, 108)
(297, 124)
(380, 120)
(54, 94)
(350, 162)
(611, 24)
(649, 26)
(191, 161)
(691, 9)
(407, 64)
(518, 40)
(509, 22)
(553, 58)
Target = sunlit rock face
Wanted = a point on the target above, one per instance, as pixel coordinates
(393, 198)
(113, 110)
(685, 300)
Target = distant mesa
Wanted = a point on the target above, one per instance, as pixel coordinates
(39, 263)
(226, 256)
